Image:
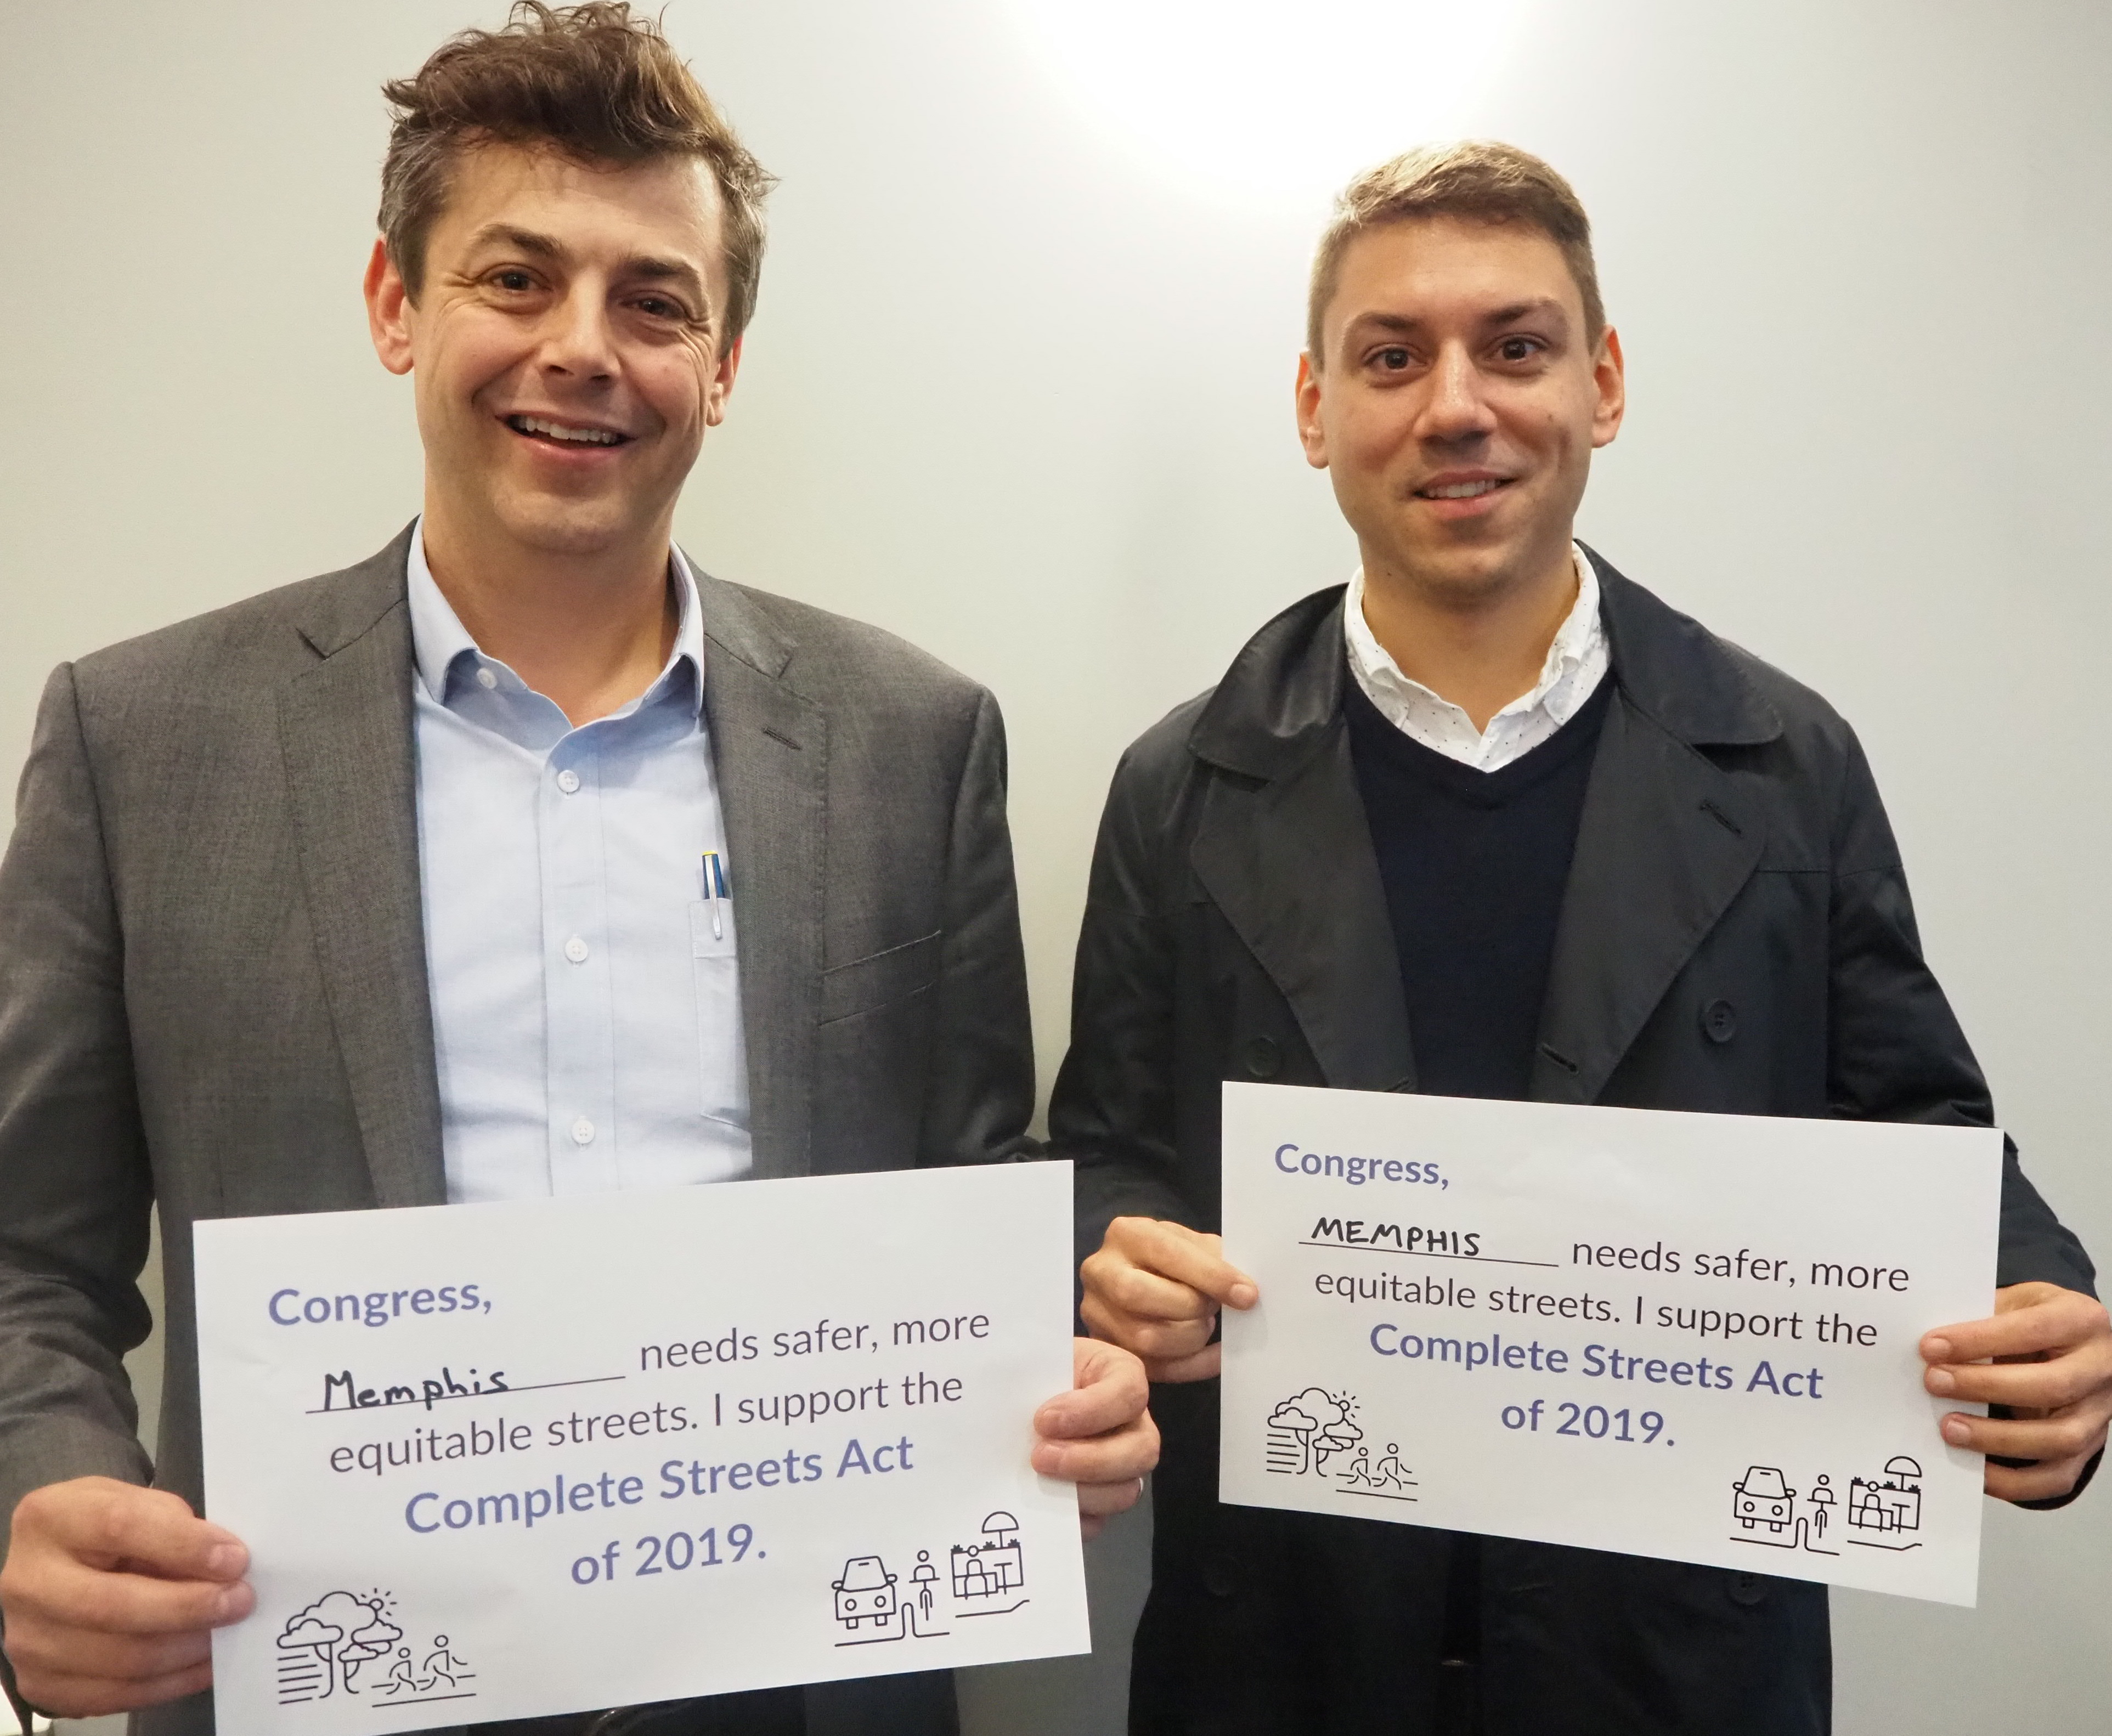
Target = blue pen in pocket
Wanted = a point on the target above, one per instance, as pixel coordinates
(715, 889)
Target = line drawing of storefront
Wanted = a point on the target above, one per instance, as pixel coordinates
(1883, 1510)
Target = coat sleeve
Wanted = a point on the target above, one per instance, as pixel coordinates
(1113, 1113)
(75, 1193)
(981, 1096)
(1897, 1053)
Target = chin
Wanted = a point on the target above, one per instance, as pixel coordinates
(562, 527)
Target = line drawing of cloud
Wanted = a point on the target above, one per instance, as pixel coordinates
(305, 1630)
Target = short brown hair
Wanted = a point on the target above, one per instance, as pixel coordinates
(1479, 180)
(593, 82)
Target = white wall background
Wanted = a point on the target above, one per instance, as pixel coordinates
(1019, 389)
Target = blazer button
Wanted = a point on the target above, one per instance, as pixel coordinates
(1264, 1059)
(1220, 1574)
(1748, 1588)
(1719, 1021)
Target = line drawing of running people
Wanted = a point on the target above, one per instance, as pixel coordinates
(441, 1664)
(1390, 1470)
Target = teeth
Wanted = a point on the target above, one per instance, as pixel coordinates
(559, 431)
(1461, 490)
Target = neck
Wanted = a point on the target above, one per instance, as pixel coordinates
(592, 631)
(1480, 650)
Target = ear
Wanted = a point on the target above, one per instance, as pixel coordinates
(1610, 374)
(389, 310)
(720, 388)
(1311, 435)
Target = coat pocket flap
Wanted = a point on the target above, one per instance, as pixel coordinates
(878, 978)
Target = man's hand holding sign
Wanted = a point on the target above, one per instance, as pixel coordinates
(2045, 1359)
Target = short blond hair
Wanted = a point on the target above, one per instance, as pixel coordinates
(1480, 180)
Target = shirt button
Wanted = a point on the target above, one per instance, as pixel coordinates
(485, 679)
(568, 780)
(583, 1132)
(575, 949)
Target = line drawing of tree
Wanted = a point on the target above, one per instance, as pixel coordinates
(1315, 1424)
(344, 1632)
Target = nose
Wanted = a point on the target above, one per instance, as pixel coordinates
(579, 341)
(1455, 409)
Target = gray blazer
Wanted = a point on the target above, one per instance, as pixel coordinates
(213, 995)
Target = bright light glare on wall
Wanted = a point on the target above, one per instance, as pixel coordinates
(1272, 101)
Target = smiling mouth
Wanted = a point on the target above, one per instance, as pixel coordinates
(1463, 490)
(564, 433)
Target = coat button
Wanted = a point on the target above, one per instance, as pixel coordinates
(1719, 1021)
(1748, 1588)
(1264, 1058)
(1220, 1574)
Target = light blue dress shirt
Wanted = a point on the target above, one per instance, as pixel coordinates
(586, 996)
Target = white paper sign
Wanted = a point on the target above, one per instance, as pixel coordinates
(1677, 1335)
(547, 1455)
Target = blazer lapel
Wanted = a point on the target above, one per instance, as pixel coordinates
(770, 750)
(345, 729)
(1292, 866)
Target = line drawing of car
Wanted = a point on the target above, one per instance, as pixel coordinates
(866, 1593)
(1763, 1497)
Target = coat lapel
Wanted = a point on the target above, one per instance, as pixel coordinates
(770, 750)
(1666, 841)
(345, 730)
(1283, 849)
(1292, 866)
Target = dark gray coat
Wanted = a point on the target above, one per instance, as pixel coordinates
(213, 997)
(1733, 858)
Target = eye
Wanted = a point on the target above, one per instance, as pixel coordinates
(1519, 349)
(660, 307)
(513, 280)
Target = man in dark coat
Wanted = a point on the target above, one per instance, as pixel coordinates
(1497, 822)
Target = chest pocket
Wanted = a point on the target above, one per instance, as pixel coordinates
(722, 1045)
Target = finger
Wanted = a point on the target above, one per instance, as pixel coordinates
(1124, 1455)
(1143, 1294)
(1186, 1255)
(1205, 1364)
(1109, 1391)
(115, 1657)
(2048, 1480)
(2079, 1374)
(92, 1696)
(64, 1592)
(1090, 1525)
(99, 1520)
(1145, 1337)
(2040, 1317)
(2065, 1435)
(1100, 1500)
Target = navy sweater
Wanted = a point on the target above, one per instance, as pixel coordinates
(1474, 864)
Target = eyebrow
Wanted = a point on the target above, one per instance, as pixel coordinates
(1508, 315)
(639, 265)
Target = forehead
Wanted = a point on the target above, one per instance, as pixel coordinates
(1448, 271)
(668, 206)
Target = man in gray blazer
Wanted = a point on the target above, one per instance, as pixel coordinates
(520, 859)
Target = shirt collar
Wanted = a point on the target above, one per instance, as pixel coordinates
(1571, 648)
(444, 653)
